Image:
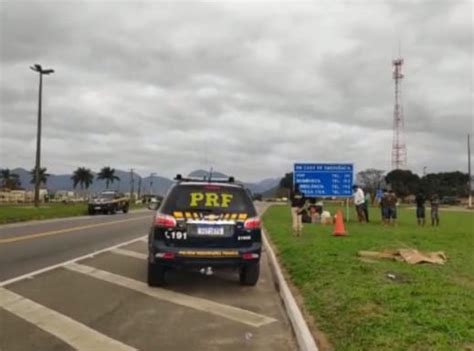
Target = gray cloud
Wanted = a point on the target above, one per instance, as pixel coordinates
(248, 89)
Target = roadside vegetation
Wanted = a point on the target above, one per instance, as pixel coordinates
(27, 212)
(383, 304)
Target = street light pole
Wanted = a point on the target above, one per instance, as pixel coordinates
(41, 71)
(469, 169)
(151, 182)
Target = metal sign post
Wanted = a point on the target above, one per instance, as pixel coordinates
(332, 180)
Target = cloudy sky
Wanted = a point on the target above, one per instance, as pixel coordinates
(245, 87)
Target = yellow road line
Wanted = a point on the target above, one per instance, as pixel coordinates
(67, 230)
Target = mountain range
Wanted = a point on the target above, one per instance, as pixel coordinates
(151, 184)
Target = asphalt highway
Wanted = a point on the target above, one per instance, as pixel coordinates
(80, 283)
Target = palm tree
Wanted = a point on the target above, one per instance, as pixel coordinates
(43, 176)
(107, 174)
(9, 180)
(82, 176)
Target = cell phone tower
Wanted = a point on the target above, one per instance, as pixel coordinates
(399, 149)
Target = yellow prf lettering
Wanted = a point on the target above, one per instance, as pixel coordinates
(226, 199)
(195, 198)
(212, 199)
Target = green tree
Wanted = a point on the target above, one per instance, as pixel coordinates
(107, 174)
(82, 176)
(446, 183)
(10, 180)
(403, 182)
(43, 176)
(287, 181)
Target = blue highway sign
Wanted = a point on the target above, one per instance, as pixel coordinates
(324, 179)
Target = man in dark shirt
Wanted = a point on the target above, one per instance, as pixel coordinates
(391, 202)
(297, 202)
(420, 200)
(384, 206)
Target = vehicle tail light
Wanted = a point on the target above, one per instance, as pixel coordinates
(252, 223)
(164, 221)
(250, 256)
(165, 255)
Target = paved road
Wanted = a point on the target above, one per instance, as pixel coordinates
(102, 302)
(26, 247)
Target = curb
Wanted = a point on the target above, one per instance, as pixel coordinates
(304, 338)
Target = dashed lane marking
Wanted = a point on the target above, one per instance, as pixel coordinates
(129, 253)
(233, 313)
(76, 334)
(58, 265)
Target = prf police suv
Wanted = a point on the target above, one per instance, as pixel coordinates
(205, 225)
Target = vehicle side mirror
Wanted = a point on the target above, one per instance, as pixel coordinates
(153, 205)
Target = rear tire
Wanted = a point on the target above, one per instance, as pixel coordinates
(125, 209)
(156, 274)
(249, 274)
(91, 212)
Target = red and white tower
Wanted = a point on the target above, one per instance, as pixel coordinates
(399, 150)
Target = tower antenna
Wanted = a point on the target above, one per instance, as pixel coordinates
(399, 150)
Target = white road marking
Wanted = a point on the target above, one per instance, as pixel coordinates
(68, 330)
(233, 313)
(129, 253)
(49, 268)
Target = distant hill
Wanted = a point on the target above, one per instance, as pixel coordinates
(159, 185)
(200, 173)
(255, 188)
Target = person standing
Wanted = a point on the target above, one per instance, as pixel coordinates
(384, 206)
(359, 202)
(368, 200)
(435, 209)
(297, 203)
(391, 208)
(420, 208)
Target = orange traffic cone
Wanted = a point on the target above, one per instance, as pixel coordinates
(339, 229)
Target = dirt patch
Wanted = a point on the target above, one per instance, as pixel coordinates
(367, 260)
(367, 311)
(465, 282)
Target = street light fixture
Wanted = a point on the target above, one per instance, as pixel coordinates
(41, 71)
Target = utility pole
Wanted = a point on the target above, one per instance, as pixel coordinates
(41, 71)
(139, 191)
(469, 168)
(399, 149)
(131, 184)
(151, 182)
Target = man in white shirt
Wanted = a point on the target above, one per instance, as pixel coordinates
(359, 202)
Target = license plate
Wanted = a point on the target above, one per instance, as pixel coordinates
(210, 231)
(97, 208)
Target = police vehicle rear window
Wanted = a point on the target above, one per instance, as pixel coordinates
(209, 199)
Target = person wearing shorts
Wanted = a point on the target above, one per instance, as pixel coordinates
(391, 211)
(420, 200)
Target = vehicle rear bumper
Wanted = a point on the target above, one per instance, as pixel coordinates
(101, 207)
(200, 257)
